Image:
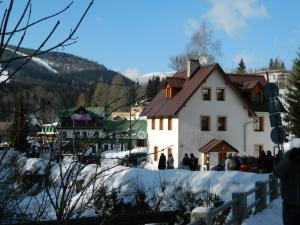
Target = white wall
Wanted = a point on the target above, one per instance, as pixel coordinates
(162, 139)
(89, 132)
(259, 138)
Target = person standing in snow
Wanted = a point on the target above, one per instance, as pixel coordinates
(269, 162)
(185, 160)
(229, 163)
(162, 162)
(170, 162)
(262, 162)
(237, 162)
(288, 171)
(192, 161)
(278, 156)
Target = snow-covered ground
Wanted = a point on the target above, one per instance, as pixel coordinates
(270, 216)
(3, 75)
(37, 60)
(222, 183)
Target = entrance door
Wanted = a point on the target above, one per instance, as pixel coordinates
(222, 156)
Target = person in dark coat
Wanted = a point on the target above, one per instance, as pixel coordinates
(237, 162)
(162, 162)
(185, 160)
(288, 171)
(262, 162)
(269, 162)
(278, 156)
(170, 161)
(192, 162)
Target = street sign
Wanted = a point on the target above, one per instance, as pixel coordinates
(271, 90)
(278, 135)
(275, 120)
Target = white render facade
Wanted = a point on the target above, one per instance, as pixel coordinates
(186, 135)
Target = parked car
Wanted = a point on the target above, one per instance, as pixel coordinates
(248, 164)
(134, 159)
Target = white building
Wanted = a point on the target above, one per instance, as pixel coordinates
(209, 113)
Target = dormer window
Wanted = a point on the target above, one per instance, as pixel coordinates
(168, 91)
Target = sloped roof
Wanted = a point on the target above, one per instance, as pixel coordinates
(160, 106)
(247, 81)
(175, 82)
(95, 112)
(214, 145)
(138, 127)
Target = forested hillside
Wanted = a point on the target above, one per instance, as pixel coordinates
(56, 80)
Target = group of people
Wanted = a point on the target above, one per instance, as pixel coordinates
(232, 162)
(265, 162)
(190, 162)
(165, 163)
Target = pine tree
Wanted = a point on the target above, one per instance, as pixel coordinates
(19, 129)
(276, 64)
(271, 64)
(242, 67)
(293, 99)
(132, 95)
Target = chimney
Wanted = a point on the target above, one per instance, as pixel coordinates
(192, 66)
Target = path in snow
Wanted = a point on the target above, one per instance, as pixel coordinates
(270, 216)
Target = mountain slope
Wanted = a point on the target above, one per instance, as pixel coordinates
(57, 80)
(61, 67)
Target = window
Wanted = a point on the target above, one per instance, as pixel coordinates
(257, 149)
(170, 123)
(161, 123)
(206, 94)
(258, 124)
(220, 94)
(169, 151)
(155, 153)
(84, 134)
(168, 91)
(205, 123)
(221, 123)
(153, 124)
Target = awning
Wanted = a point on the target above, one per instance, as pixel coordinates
(216, 145)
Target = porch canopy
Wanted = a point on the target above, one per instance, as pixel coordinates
(216, 145)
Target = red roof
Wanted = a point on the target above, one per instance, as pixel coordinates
(214, 145)
(175, 82)
(160, 106)
(247, 81)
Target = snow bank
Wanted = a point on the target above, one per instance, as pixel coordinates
(222, 183)
(271, 215)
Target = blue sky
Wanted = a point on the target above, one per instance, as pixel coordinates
(139, 36)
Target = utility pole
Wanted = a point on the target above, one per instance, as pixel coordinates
(129, 143)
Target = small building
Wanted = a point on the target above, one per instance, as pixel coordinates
(81, 129)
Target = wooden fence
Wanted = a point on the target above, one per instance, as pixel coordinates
(239, 204)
